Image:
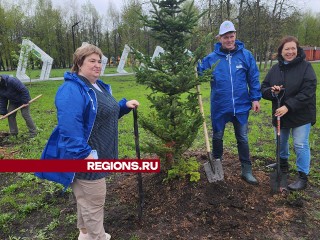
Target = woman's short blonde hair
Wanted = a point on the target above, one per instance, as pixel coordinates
(81, 53)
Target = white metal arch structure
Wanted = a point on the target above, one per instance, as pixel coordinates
(127, 50)
(104, 61)
(157, 52)
(123, 59)
(28, 46)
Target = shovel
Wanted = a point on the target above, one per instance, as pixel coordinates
(139, 178)
(17, 109)
(278, 180)
(213, 168)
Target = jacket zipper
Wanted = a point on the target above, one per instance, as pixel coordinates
(229, 56)
(93, 108)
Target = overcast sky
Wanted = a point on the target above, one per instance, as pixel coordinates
(102, 5)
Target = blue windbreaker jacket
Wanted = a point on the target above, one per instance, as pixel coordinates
(234, 85)
(76, 105)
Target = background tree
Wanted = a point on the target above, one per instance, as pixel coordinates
(174, 118)
(131, 25)
(260, 25)
(114, 40)
(306, 30)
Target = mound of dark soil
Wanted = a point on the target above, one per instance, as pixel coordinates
(231, 209)
(4, 144)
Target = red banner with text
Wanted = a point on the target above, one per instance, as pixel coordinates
(99, 165)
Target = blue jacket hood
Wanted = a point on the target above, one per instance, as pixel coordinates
(217, 47)
(69, 76)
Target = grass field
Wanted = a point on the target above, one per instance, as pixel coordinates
(261, 133)
(14, 197)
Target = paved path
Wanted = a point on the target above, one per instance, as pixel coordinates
(61, 78)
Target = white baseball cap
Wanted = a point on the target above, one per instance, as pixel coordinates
(225, 27)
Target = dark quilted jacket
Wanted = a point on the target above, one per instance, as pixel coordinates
(13, 90)
(300, 83)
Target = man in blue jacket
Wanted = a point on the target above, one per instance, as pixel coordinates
(235, 89)
(13, 94)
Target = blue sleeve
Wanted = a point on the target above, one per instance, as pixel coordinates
(123, 107)
(71, 105)
(253, 79)
(204, 65)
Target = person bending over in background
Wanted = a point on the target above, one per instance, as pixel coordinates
(235, 89)
(87, 129)
(298, 105)
(13, 94)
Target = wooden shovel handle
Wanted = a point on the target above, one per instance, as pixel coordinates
(206, 137)
(17, 109)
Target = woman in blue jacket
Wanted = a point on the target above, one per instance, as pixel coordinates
(87, 129)
(235, 89)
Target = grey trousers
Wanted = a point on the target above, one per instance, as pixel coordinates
(25, 112)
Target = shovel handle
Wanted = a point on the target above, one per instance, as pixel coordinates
(17, 109)
(136, 132)
(139, 177)
(205, 130)
(206, 137)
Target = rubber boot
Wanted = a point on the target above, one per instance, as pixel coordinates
(246, 174)
(300, 183)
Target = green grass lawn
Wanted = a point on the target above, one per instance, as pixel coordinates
(20, 195)
(261, 133)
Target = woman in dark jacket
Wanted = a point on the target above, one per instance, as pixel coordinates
(298, 105)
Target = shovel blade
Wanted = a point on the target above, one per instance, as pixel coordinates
(274, 182)
(278, 183)
(214, 171)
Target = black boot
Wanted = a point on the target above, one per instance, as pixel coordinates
(300, 183)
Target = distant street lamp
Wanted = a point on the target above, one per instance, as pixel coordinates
(73, 26)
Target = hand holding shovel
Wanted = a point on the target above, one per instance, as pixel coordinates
(22, 106)
(278, 180)
(213, 167)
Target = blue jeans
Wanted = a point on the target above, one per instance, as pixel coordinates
(241, 133)
(301, 146)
